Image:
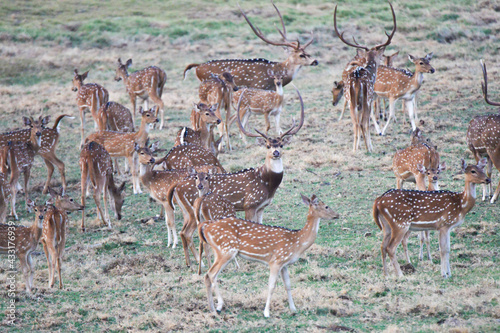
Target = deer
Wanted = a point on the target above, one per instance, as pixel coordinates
(145, 83)
(21, 241)
(96, 167)
(90, 96)
(275, 246)
(387, 61)
(261, 101)
(188, 155)
(120, 144)
(359, 83)
(55, 224)
(217, 91)
(249, 190)
(483, 139)
(254, 72)
(5, 194)
(398, 211)
(395, 84)
(204, 135)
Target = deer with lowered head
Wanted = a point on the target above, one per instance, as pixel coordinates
(277, 247)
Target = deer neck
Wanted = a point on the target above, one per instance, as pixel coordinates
(308, 234)
(291, 70)
(146, 174)
(272, 174)
(35, 232)
(142, 134)
(279, 90)
(468, 197)
(206, 131)
(417, 79)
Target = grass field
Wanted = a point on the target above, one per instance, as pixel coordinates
(127, 279)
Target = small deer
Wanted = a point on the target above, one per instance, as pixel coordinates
(55, 224)
(22, 241)
(145, 83)
(188, 155)
(483, 139)
(90, 97)
(398, 211)
(113, 116)
(204, 134)
(277, 247)
(96, 167)
(120, 144)
(265, 102)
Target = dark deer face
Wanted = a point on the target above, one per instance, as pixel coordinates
(78, 80)
(122, 70)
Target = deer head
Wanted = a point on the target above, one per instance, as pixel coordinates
(78, 80)
(122, 70)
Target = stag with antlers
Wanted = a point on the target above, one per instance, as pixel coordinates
(254, 72)
(359, 83)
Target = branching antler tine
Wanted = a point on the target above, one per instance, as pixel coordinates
(389, 36)
(261, 134)
(239, 120)
(294, 129)
(484, 85)
(309, 42)
(341, 35)
(282, 22)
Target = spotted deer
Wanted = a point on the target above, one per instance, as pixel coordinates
(113, 116)
(188, 155)
(265, 102)
(145, 83)
(55, 224)
(249, 190)
(21, 241)
(120, 144)
(395, 84)
(90, 96)
(5, 194)
(359, 84)
(254, 72)
(387, 61)
(277, 247)
(204, 135)
(96, 167)
(483, 139)
(398, 211)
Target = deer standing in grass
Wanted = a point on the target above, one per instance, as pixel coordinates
(119, 144)
(5, 195)
(359, 84)
(96, 167)
(249, 190)
(254, 73)
(22, 241)
(188, 155)
(145, 83)
(48, 145)
(395, 84)
(483, 139)
(277, 247)
(204, 134)
(90, 97)
(55, 224)
(398, 211)
(265, 102)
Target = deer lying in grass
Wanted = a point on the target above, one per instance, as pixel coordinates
(398, 211)
(119, 144)
(277, 247)
(96, 167)
(22, 241)
(54, 229)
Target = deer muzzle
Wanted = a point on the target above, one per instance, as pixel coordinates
(151, 160)
(218, 121)
(276, 154)
(315, 63)
(40, 217)
(487, 181)
(432, 70)
(74, 89)
(200, 186)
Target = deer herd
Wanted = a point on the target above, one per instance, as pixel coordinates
(191, 177)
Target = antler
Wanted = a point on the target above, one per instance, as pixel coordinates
(389, 37)
(484, 85)
(294, 129)
(239, 120)
(341, 35)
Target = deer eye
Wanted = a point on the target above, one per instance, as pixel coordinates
(196, 177)
(206, 178)
(326, 207)
(421, 63)
(206, 114)
(268, 146)
(71, 200)
(281, 146)
(473, 171)
(302, 55)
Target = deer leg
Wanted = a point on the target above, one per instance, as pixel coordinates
(411, 114)
(27, 173)
(13, 190)
(84, 187)
(133, 99)
(97, 194)
(187, 240)
(494, 160)
(49, 261)
(392, 103)
(444, 248)
(365, 125)
(374, 119)
(354, 120)
(82, 122)
(250, 214)
(117, 166)
(277, 121)
(424, 236)
(343, 109)
(23, 258)
(51, 160)
(106, 210)
(404, 242)
(286, 280)
(414, 100)
(273, 275)
(135, 179)
(391, 249)
(403, 109)
(53, 265)
(170, 222)
(161, 107)
(268, 124)
(58, 266)
(220, 262)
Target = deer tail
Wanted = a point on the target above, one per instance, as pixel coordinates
(188, 68)
(376, 214)
(58, 119)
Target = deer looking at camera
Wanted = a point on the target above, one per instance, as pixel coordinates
(398, 211)
(22, 241)
(249, 190)
(359, 84)
(277, 247)
(483, 139)
(145, 83)
(90, 97)
(254, 73)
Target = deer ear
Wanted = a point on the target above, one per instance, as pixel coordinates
(213, 170)
(482, 163)
(412, 58)
(141, 110)
(214, 107)
(421, 168)
(30, 203)
(136, 146)
(192, 171)
(76, 71)
(84, 75)
(45, 120)
(314, 199)
(196, 107)
(270, 72)
(120, 61)
(27, 121)
(429, 56)
(154, 146)
(53, 193)
(305, 200)
(442, 166)
(129, 62)
(463, 165)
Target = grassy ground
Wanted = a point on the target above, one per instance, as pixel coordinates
(128, 280)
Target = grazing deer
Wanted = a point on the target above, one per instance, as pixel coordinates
(359, 84)
(188, 155)
(204, 134)
(261, 101)
(395, 84)
(120, 144)
(96, 167)
(337, 93)
(90, 97)
(483, 139)
(5, 193)
(217, 91)
(398, 211)
(113, 116)
(54, 229)
(22, 241)
(146, 83)
(48, 144)
(249, 190)
(277, 247)
(254, 72)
